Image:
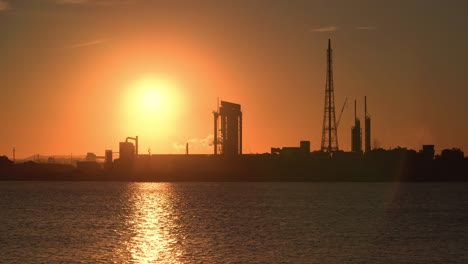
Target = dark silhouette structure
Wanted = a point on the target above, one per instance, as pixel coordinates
(367, 127)
(4, 161)
(282, 164)
(128, 151)
(302, 151)
(91, 156)
(329, 132)
(356, 133)
(108, 158)
(215, 131)
(286, 164)
(228, 120)
(136, 143)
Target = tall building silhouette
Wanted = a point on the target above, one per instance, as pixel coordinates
(356, 133)
(367, 127)
(329, 132)
(230, 140)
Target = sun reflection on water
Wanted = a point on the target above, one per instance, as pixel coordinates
(153, 224)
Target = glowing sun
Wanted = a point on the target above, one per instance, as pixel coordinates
(153, 105)
(151, 98)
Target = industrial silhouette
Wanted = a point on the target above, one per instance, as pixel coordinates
(230, 141)
(367, 127)
(329, 132)
(229, 163)
(127, 150)
(356, 130)
(356, 133)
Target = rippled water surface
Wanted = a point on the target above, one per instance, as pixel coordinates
(70, 222)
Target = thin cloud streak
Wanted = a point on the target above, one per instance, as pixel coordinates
(86, 44)
(72, 2)
(4, 5)
(365, 28)
(325, 29)
(95, 2)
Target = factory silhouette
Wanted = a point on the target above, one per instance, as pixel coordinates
(228, 163)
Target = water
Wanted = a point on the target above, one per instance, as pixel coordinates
(69, 222)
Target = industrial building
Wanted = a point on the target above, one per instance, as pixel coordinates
(127, 150)
(228, 121)
(356, 132)
(302, 150)
(282, 164)
(108, 159)
(367, 128)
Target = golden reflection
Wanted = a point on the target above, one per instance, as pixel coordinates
(152, 223)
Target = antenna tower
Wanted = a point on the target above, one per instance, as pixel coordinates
(329, 132)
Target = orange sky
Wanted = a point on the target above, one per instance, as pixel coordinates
(68, 72)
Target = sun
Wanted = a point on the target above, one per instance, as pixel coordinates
(154, 98)
(152, 105)
(151, 98)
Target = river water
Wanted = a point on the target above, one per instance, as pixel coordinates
(69, 222)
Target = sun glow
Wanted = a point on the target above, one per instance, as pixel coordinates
(155, 98)
(152, 99)
(152, 106)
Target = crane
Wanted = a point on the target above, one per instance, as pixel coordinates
(341, 113)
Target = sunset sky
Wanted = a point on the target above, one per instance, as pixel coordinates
(79, 76)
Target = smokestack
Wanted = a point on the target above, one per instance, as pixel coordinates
(355, 110)
(329, 44)
(367, 127)
(136, 147)
(215, 129)
(365, 106)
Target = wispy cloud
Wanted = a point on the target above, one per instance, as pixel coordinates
(86, 44)
(94, 2)
(4, 5)
(365, 28)
(325, 29)
(72, 2)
